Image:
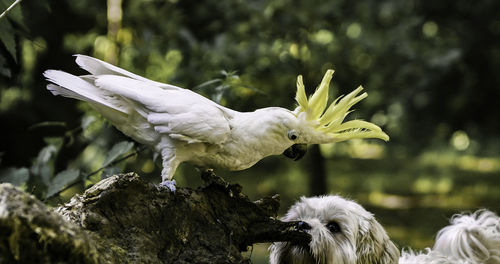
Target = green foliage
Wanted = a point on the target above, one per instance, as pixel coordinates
(429, 68)
(15, 176)
(62, 180)
(225, 87)
(6, 28)
(42, 178)
(116, 151)
(7, 38)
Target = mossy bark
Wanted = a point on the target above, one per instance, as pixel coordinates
(123, 219)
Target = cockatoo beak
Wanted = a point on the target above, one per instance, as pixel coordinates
(296, 151)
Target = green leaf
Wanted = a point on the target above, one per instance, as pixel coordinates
(229, 74)
(47, 124)
(15, 14)
(87, 121)
(110, 171)
(207, 83)
(15, 176)
(46, 154)
(118, 149)
(7, 37)
(61, 181)
(43, 165)
(156, 156)
(251, 88)
(4, 69)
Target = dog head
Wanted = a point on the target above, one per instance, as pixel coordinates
(474, 237)
(342, 232)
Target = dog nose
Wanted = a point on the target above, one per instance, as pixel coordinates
(301, 226)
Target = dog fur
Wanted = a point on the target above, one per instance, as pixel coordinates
(343, 232)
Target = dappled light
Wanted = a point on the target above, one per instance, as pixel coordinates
(429, 69)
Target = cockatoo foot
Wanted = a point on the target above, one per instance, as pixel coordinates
(168, 185)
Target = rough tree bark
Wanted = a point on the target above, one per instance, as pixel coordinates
(123, 219)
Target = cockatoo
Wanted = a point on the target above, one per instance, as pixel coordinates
(184, 126)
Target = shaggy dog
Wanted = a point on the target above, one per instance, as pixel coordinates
(343, 232)
(470, 239)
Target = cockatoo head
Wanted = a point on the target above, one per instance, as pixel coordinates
(317, 124)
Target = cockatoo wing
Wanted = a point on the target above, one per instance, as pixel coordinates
(133, 103)
(180, 113)
(72, 86)
(98, 67)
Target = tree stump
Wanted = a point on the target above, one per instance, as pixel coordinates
(123, 219)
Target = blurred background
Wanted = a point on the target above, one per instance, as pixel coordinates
(429, 67)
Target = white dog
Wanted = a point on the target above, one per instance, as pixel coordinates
(470, 239)
(343, 232)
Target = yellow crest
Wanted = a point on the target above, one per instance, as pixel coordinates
(330, 121)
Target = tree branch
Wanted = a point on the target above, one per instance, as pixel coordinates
(127, 220)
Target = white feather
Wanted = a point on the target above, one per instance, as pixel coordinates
(98, 67)
(178, 123)
(72, 86)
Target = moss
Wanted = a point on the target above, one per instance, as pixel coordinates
(125, 220)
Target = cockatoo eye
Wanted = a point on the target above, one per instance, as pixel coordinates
(293, 135)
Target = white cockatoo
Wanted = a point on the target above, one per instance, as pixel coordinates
(184, 126)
